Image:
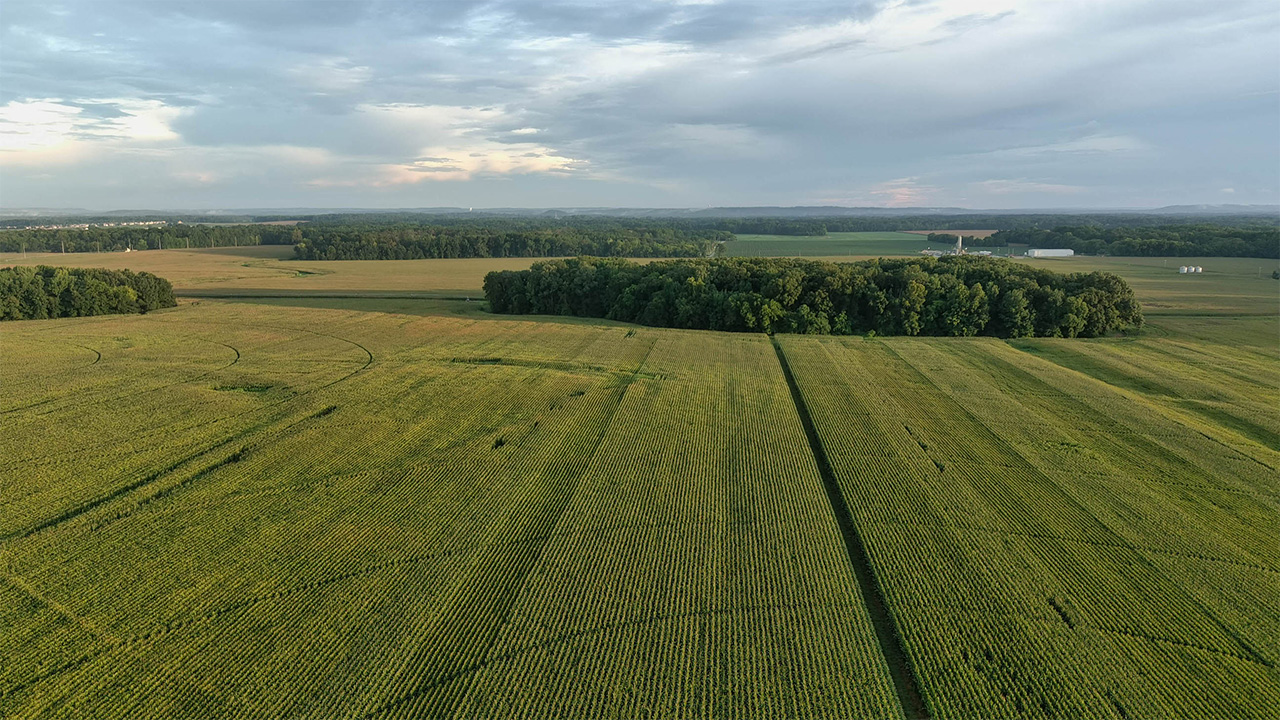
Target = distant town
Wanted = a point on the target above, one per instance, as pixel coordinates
(85, 226)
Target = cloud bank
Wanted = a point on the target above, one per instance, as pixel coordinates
(999, 103)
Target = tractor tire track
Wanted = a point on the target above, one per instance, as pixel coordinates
(553, 512)
(171, 430)
(1250, 652)
(572, 635)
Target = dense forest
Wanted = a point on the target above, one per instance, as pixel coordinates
(1165, 240)
(36, 293)
(468, 241)
(957, 296)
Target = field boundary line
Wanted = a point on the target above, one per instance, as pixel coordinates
(901, 672)
(199, 295)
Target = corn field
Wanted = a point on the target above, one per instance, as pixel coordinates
(255, 510)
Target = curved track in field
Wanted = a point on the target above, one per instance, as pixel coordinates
(369, 359)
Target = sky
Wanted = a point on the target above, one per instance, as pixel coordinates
(966, 103)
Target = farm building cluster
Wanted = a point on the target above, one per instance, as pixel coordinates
(957, 250)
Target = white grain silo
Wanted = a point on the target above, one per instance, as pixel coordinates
(1183, 269)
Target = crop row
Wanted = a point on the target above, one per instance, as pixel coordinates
(998, 546)
(533, 520)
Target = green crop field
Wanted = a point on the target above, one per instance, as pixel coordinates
(833, 245)
(353, 500)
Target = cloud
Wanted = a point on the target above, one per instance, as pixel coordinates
(736, 102)
(965, 23)
(51, 130)
(903, 192)
(1091, 145)
(899, 192)
(32, 125)
(1022, 185)
(330, 75)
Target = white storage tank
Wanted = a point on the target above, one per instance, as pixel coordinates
(1199, 269)
(1183, 269)
(1050, 252)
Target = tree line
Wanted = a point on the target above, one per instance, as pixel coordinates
(818, 226)
(117, 239)
(1207, 240)
(478, 240)
(418, 235)
(952, 296)
(372, 237)
(40, 292)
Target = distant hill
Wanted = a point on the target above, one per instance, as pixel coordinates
(1217, 210)
(760, 211)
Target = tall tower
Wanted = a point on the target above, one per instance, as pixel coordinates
(959, 244)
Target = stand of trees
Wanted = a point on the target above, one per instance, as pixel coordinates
(40, 292)
(954, 296)
(1167, 240)
(494, 240)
